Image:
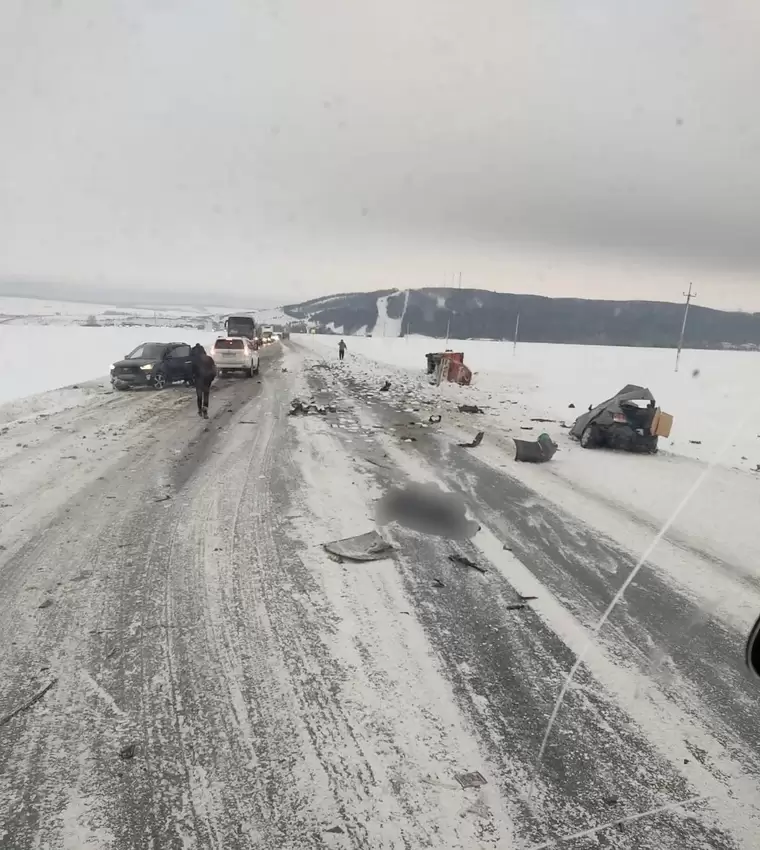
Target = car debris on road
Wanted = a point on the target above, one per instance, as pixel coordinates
(473, 443)
(535, 451)
(33, 700)
(471, 780)
(364, 547)
(464, 561)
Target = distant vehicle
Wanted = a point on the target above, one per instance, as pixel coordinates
(235, 354)
(153, 364)
(240, 326)
(622, 422)
(267, 334)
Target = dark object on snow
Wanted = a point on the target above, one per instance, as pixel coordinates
(696, 442)
(571, 406)
(46, 604)
(409, 440)
(611, 800)
(427, 509)
(470, 408)
(335, 830)
(435, 419)
(438, 583)
(385, 387)
(538, 451)
(475, 443)
(464, 561)
(516, 606)
(526, 427)
(364, 547)
(619, 422)
(528, 598)
(298, 407)
(471, 780)
(25, 706)
(128, 752)
(538, 419)
(448, 366)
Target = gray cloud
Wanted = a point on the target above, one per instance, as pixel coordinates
(311, 146)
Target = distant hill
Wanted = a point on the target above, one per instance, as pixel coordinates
(478, 313)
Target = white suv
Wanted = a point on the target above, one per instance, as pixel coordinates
(235, 354)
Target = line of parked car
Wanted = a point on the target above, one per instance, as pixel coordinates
(158, 364)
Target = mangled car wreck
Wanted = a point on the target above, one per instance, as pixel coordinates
(630, 421)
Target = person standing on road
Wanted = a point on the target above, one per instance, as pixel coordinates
(342, 350)
(204, 372)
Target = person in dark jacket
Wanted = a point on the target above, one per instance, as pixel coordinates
(342, 350)
(196, 353)
(204, 372)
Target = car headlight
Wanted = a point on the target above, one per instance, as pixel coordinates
(147, 367)
(112, 367)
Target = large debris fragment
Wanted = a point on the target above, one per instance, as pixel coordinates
(364, 547)
(448, 366)
(535, 451)
(473, 443)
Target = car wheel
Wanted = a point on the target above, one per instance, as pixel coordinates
(590, 437)
(249, 372)
(159, 381)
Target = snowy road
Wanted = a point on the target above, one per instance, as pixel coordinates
(219, 682)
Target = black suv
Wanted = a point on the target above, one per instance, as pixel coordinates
(153, 364)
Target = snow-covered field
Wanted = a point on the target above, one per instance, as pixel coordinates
(40, 358)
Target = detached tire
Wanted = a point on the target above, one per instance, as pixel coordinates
(590, 437)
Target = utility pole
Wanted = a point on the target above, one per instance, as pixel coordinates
(688, 296)
(448, 328)
(460, 280)
(517, 328)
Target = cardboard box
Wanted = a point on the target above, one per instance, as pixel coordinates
(661, 424)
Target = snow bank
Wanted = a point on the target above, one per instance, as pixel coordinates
(712, 396)
(39, 358)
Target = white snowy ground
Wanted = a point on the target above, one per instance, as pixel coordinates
(38, 358)
(620, 494)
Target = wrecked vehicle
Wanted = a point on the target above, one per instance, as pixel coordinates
(630, 421)
(448, 366)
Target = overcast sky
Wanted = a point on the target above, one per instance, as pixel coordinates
(603, 148)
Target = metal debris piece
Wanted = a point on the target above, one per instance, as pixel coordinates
(385, 387)
(128, 752)
(470, 408)
(696, 442)
(435, 419)
(527, 598)
(336, 830)
(516, 606)
(464, 561)
(438, 583)
(539, 419)
(471, 780)
(165, 498)
(46, 604)
(364, 547)
(474, 443)
(28, 704)
(535, 451)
